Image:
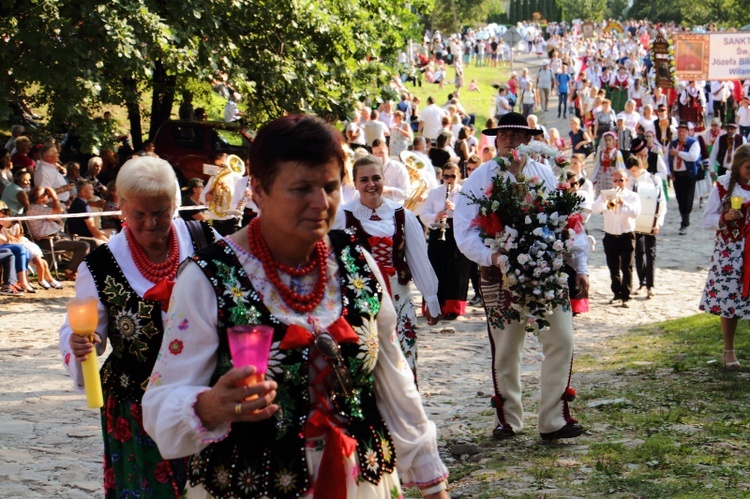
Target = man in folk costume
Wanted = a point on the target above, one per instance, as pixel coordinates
(724, 148)
(653, 210)
(684, 159)
(664, 125)
(507, 336)
(693, 106)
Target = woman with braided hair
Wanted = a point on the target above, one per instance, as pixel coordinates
(728, 284)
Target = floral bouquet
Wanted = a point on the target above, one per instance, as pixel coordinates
(526, 222)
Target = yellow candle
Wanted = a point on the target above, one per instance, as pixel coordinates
(736, 202)
(83, 317)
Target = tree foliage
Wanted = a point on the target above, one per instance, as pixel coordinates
(583, 9)
(450, 16)
(283, 56)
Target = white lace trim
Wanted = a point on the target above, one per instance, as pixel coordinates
(362, 213)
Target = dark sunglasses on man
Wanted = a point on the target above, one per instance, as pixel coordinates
(446, 176)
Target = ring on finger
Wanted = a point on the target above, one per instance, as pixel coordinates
(238, 408)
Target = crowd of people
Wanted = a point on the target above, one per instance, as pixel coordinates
(346, 222)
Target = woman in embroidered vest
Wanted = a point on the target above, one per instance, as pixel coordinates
(608, 160)
(132, 277)
(395, 238)
(728, 283)
(321, 426)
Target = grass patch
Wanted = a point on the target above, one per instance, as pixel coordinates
(664, 420)
(480, 103)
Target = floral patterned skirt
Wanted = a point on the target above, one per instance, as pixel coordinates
(723, 292)
(406, 327)
(133, 466)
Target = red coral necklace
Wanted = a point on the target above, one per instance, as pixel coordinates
(297, 302)
(155, 272)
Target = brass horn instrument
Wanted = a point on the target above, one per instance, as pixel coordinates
(222, 188)
(418, 185)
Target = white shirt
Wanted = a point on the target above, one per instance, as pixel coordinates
(714, 206)
(621, 220)
(720, 91)
(375, 129)
(435, 203)
(431, 118)
(231, 113)
(416, 247)
(467, 237)
(47, 175)
(743, 116)
(396, 176)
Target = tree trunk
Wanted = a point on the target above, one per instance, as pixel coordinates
(132, 99)
(162, 99)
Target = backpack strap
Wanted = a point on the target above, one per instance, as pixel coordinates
(200, 233)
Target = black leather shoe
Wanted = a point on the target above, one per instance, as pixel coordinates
(570, 430)
(503, 432)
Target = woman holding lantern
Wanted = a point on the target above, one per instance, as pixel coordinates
(130, 280)
(339, 402)
(728, 283)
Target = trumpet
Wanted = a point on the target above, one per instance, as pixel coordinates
(612, 203)
(222, 189)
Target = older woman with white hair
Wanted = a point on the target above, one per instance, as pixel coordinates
(132, 277)
(93, 169)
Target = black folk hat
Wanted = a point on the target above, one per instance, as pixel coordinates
(512, 121)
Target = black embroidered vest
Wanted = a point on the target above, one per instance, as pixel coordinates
(135, 328)
(399, 242)
(724, 145)
(268, 458)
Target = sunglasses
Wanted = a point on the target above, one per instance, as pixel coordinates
(618, 180)
(448, 176)
(342, 382)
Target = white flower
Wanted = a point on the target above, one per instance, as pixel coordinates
(495, 245)
(538, 272)
(558, 245)
(537, 291)
(511, 278)
(368, 343)
(527, 220)
(538, 147)
(557, 263)
(522, 258)
(542, 218)
(495, 205)
(538, 231)
(549, 295)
